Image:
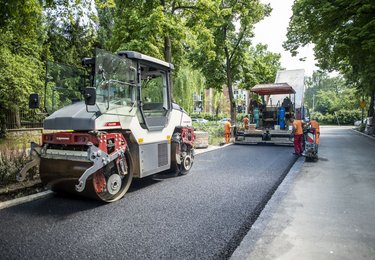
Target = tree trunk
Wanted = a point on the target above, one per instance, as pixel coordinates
(168, 57)
(167, 49)
(232, 102)
(371, 106)
(14, 115)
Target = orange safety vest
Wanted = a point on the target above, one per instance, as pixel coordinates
(315, 124)
(297, 125)
(227, 126)
(245, 122)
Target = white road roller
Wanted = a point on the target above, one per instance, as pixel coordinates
(120, 124)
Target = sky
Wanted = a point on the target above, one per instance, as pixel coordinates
(272, 31)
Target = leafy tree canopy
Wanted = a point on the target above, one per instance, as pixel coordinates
(21, 38)
(231, 26)
(260, 67)
(343, 34)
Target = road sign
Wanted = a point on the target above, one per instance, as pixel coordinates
(362, 104)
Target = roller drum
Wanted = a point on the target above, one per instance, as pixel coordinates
(61, 176)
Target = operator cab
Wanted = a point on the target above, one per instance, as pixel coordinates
(132, 84)
(154, 89)
(126, 84)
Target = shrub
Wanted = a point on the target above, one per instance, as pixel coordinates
(208, 116)
(12, 159)
(214, 130)
(348, 117)
(345, 117)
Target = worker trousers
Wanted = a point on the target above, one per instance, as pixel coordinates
(298, 144)
(227, 138)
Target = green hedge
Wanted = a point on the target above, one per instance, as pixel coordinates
(208, 116)
(211, 117)
(345, 117)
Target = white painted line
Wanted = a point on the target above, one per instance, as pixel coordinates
(11, 203)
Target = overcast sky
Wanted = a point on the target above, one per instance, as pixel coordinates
(272, 31)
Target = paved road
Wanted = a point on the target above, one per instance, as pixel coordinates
(203, 215)
(324, 211)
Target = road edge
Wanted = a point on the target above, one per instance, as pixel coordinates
(363, 134)
(248, 243)
(14, 202)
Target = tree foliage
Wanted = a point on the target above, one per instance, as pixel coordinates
(21, 39)
(156, 28)
(328, 97)
(71, 31)
(231, 26)
(343, 34)
(260, 67)
(209, 41)
(187, 82)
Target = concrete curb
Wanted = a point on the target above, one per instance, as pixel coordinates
(210, 148)
(11, 203)
(249, 241)
(358, 132)
(45, 194)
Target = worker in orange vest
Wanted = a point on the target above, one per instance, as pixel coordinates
(315, 125)
(245, 122)
(227, 127)
(298, 133)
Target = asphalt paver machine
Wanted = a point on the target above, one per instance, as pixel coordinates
(270, 122)
(120, 124)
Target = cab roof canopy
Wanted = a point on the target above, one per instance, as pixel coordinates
(139, 56)
(272, 89)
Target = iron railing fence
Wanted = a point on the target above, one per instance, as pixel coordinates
(21, 119)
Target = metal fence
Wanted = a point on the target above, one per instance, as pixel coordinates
(21, 119)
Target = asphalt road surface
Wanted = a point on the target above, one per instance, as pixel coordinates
(203, 215)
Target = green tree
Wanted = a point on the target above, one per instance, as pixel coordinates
(71, 30)
(21, 41)
(187, 82)
(329, 98)
(104, 23)
(342, 32)
(156, 28)
(320, 81)
(260, 67)
(231, 25)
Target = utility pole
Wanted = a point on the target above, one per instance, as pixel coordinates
(313, 108)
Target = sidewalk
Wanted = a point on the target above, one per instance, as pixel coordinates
(322, 210)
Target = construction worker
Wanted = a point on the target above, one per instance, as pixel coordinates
(256, 117)
(245, 122)
(315, 125)
(227, 127)
(298, 133)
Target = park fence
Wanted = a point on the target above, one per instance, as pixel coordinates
(21, 119)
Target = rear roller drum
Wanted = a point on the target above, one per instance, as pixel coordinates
(186, 164)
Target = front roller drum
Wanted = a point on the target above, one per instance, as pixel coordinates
(107, 184)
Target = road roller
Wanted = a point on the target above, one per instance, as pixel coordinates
(108, 123)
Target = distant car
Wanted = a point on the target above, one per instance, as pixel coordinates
(199, 120)
(223, 121)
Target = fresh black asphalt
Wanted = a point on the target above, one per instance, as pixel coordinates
(203, 215)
